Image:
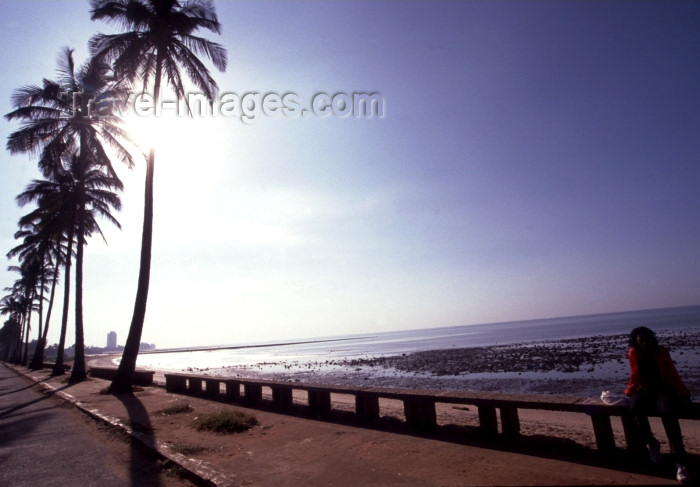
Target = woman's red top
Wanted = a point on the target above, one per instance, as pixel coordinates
(667, 369)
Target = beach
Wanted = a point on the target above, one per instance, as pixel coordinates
(578, 366)
(555, 448)
(294, 449)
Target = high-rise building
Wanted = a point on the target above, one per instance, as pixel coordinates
(112, 340)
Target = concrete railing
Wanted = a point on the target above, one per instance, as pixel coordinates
(419, 405)
(142, 377)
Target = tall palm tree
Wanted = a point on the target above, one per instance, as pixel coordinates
(56, 215)
(70, 122)
(36, 274)
(158, 43)
(41, 244)
(22, 305)
(11, 333)
(96, 194)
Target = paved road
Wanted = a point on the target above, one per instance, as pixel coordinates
(45, 443)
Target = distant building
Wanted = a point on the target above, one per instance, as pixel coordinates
(112, 340)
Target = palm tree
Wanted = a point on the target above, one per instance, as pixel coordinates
(21, 304)
(96, 196)
(11, 332)
(15, 306)
(158, 43)
(9, 335)
(56, 215)
(40, 244)
(36, 273)
(68, 122)
(71, 204)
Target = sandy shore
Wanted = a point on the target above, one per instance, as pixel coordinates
(580, 366)
(294, 449)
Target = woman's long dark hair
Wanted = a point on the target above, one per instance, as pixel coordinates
(644, 332)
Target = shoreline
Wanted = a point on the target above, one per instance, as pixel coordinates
(576, 366)
(556, 448)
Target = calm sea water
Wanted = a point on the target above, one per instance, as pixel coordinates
(392, 343)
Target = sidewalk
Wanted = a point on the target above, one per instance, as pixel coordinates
(45, 441)
(293, 450)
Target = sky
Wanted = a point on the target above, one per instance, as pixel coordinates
(531, 159)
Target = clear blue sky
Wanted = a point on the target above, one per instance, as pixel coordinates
(535, 159)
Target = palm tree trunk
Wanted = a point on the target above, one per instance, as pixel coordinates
(17, 352)
(59, 367)
(51, 298)
(26, 334)
(78, 373)
(124, 378)
(38, 359)
(33, 363)
(18, 356)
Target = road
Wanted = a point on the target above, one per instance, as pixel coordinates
(46, 441)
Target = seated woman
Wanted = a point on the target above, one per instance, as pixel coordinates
(656, 388)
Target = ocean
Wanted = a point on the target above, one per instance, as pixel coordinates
(334, 348)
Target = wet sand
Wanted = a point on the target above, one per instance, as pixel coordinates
(579, 366)
(582, 367)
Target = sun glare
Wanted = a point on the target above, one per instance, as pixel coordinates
(147, 132)
(194, 166)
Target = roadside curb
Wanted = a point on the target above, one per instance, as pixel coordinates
(202, 471)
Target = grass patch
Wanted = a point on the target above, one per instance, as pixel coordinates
(184, 449)
(179, 408)
(226, 422)
(172, 469)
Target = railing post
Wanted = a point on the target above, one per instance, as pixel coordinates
(195, 385)
(366, 407)
(175, 383)
(604, 437)
(282, 397)
(420, 413)
(487, 420)
(253, 393)
(320, 402)
(233, 390)
(213, 387)
(510, 422)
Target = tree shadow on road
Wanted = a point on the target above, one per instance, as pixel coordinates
(17, 407)
(145, 465)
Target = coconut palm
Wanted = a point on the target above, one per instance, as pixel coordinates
(158, 43)
(55, 213)
(14, 305)
(42, 244)
(11, 333)
(96, 194)
(69, 123)
(9, 336)
(21, 304)
(36, 267)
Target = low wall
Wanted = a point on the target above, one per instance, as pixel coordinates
(419, 405)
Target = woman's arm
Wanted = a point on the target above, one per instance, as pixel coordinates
(634, 380)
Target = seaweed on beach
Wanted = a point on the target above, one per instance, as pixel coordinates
(569, 355)
(569, 366)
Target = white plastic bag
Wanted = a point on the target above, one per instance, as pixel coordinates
(613, 399)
